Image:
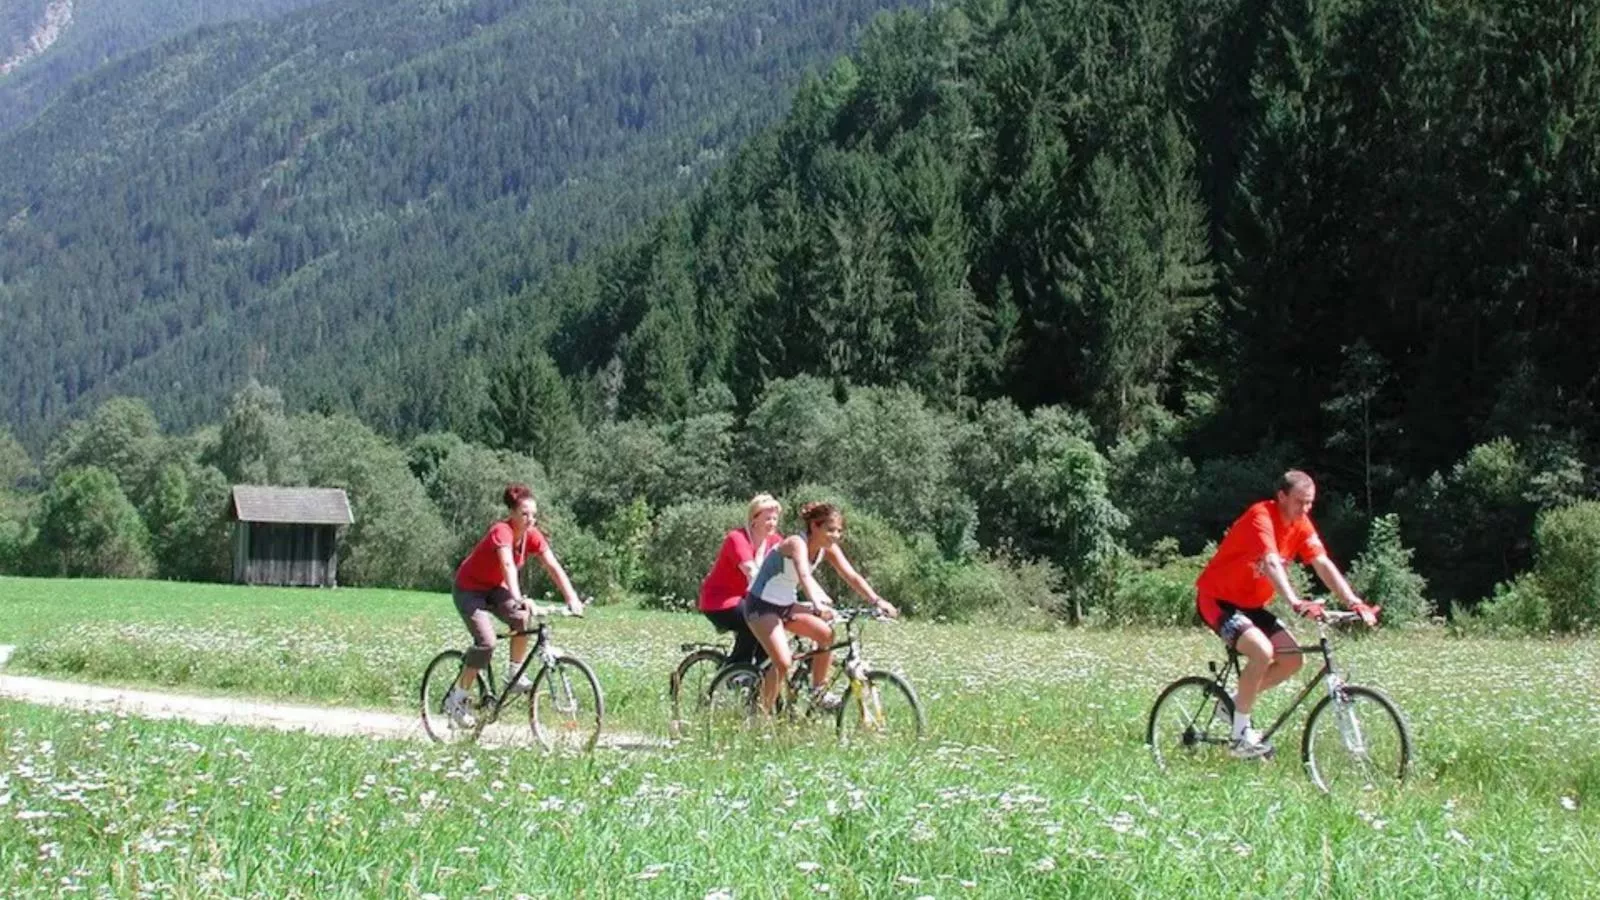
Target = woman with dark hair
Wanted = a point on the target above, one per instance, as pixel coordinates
(771, 606)
(486, 584)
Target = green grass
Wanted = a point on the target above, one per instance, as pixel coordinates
(1034, 781)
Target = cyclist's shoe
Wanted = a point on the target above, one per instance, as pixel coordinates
(1249, 745)
(459, 709)
(519, 685)
(827, 701)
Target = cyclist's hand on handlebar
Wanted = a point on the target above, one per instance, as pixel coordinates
(576, 608)
(1311, 609)
(1368, 614)
(887, 609)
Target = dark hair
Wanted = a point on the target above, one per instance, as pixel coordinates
(815, 513)
(1292, 479)
(515, 494)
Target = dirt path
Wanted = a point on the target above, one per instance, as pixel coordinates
(324, 720)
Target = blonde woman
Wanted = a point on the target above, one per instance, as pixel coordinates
(743, 550)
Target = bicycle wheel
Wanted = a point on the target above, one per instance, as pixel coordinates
(884, 708)
(690, 688)
(1190, 724)
(1356, 742)
(437, 680)
(565, 707)
(732, 700)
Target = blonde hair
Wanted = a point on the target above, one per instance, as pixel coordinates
(760, 503)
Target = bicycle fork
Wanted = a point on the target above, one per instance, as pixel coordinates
(1344, 716)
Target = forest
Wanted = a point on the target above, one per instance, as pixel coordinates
(1045, 292)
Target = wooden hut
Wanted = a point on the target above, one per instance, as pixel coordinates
(288, 536)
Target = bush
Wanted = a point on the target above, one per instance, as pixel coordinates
(1518, 606)
(998, 587)
(1157, 592)
(87, 528)
(1382, 575)
(1567, 564)
(688, 537)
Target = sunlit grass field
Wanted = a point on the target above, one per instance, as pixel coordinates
(1033, 780)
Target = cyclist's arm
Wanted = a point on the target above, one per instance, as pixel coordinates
(795, 549)
(1272, 567)
(857, 582)
(1330, 575)
(508, 570)
(559, 576)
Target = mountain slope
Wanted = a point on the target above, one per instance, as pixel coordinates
(250, 196)
(45, 44)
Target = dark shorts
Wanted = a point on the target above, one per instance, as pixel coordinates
(1230, 621)
(752, 606)
(475, 607)
(745, 646)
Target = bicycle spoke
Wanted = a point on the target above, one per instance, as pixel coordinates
(1356, 741)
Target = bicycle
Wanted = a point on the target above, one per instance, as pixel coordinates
(1353, 734)
(874, 703)
(697, 670)
(565, 704)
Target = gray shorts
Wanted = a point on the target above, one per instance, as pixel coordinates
(479, 609)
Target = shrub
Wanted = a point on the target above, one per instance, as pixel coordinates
(87, 527)
(1518, 606)
(1156, 592)
(1567, 564)
(687, 539)
(1382, 575)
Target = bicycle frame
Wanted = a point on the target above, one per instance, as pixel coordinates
(1327, 675)
(852, 664)
(542, 650)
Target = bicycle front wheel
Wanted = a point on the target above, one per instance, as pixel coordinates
(1190, 725)
(1356, 740)
(566, 707)
(438, 678)
(690, 688)
(881, 708)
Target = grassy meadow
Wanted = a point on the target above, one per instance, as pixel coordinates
(1033, 780)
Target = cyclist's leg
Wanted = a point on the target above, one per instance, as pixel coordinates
(1284, 664)
(473, 608)
(820, 634)
(767, 626)
(1254, 645)
(516, 617)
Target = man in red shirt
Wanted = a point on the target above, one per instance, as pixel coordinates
(1238, 583)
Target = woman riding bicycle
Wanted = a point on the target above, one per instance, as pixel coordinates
(486, 583)
(771, 606)
(743, 550)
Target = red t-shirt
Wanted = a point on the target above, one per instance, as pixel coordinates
(726, 584)
(1235, 573)
(481, 571)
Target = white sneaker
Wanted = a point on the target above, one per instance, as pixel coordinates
(457, 707)
(827, 701)
(519, 685)
(1249, 745)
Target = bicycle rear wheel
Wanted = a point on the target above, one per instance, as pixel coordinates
(883, 708)
(1190, 725)
(733, 700)
(565, 707)
(437, 680)
(1356, 740)
(690, 688)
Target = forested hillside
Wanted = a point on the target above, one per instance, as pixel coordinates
(48, 43)
(1044, 291)
(308, 199)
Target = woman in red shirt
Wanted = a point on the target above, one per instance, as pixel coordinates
(486, 583)
(742, 551)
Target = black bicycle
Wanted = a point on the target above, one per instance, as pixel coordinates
(1354, 736)
(873, 704)
(565, 705)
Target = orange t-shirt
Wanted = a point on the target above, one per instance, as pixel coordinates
(1235, 574)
